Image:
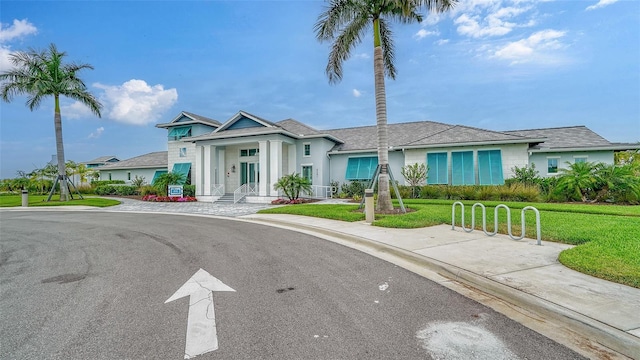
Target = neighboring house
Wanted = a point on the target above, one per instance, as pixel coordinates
(247, 154)
(101, 161)
(149, 166)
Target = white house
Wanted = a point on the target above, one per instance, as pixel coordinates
(247, 154)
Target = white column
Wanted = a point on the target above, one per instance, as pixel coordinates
(275, 164)
(199, 170)
(293, 162)
(222, 174)
(207, 169)
(213, 166)
(263, 186)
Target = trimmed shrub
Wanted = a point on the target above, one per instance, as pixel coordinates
(353, 188)
(189, 190)
(126, 190)
(148, 190)
(120, 190)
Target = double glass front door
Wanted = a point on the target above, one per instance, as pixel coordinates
(249, 173)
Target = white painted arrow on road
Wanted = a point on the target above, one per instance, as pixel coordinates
(201, 324)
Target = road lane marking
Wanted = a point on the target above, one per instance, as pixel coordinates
(201, 323)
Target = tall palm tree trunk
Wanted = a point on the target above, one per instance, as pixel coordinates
(62, 172)
(384, 196)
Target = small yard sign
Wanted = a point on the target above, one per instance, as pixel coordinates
(175, 190)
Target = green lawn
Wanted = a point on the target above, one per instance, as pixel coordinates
(40, 200)
(608, 236)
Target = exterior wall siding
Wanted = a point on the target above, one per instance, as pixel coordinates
(512, 155)
(122, 174)
(174, 157)
(540, 159)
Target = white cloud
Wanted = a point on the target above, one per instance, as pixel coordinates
(356, 93)
(20, 28)
(442, 41)
(135, 102)
(492, 18)
(75, 110)
(361, 56)
(601, 4)
(5, 64)
(96, 134)
(423, 33)
(533, 48)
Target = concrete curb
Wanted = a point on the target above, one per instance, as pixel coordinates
(612, 338)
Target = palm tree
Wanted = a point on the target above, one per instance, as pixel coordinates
(40, 74)
(345, 22)
(578, 180)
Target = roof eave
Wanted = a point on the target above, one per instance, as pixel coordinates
(615, 147)
(104, 168)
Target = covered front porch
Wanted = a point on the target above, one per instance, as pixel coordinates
(246, 169)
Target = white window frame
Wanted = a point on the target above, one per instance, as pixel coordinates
(183, 152)
(304, 145)
(585, 157)
(302, 166)
(557, 158)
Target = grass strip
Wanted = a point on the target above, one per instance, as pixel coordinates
(608, 236)
(40, 200)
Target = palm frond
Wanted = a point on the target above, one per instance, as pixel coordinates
(388, 49)
(334, 18)
(349, 38)
(436, 5)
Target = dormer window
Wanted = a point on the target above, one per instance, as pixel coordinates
(178, 133)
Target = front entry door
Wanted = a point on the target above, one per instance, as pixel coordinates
(249, 173)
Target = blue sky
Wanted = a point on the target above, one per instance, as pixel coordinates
(493, 64)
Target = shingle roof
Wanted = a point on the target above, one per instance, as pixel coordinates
(151, 160)
(564, 137)
(416, 134)
(100, 160)
(296, 127)
(202, 118)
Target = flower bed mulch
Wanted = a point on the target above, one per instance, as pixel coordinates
(155, 198)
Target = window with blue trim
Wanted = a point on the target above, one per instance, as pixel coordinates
(438, 168)
(490, 167)
(462, 168)
(361, 168)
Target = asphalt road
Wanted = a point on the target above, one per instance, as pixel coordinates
(90, 285)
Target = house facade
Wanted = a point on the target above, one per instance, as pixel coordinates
(149, 166)
(247, 154)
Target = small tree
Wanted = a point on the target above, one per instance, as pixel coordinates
(415, 175)
(138, 181)
(163, 181)
(527, 175)
(292, 185)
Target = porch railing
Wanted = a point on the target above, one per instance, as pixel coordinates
(217, 189)
(320, 192)
(244, 190)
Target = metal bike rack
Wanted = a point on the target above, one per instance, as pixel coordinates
(495, 220)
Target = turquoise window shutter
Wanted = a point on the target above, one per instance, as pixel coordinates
(179, 132)
(182, 168)
(361, 168)
(490, 167)
(438, 168)
(157, 174)
(462, 168)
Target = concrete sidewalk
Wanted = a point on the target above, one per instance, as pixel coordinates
(517, 272)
